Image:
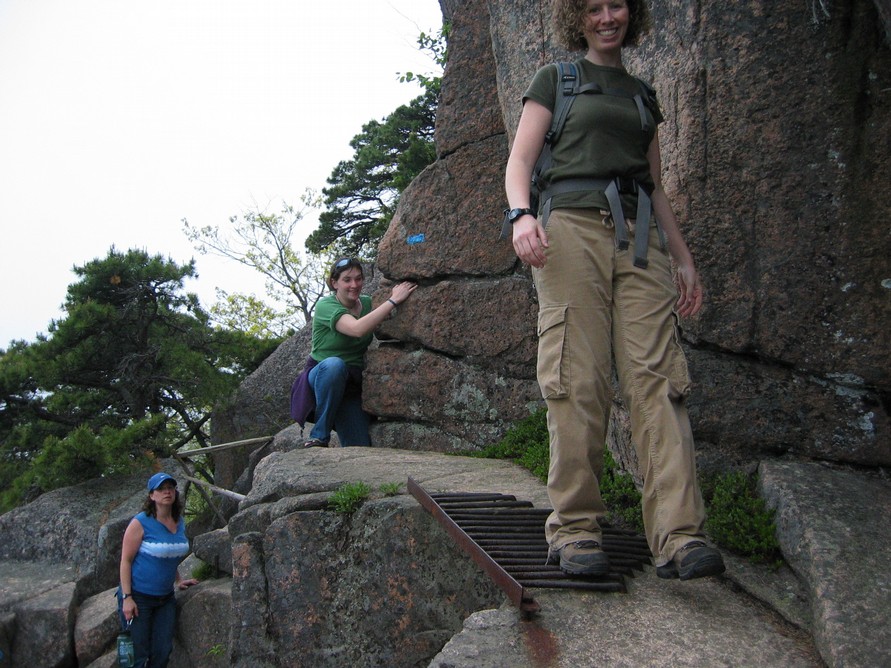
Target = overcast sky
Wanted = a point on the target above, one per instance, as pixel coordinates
(120, 118)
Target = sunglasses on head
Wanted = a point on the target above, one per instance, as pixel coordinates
(345, 262)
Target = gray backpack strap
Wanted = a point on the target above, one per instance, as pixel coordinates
(567, 89)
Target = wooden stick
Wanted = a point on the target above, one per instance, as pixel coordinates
(224, 446)
(218, 490)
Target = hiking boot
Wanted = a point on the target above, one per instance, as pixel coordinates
(315, 443)
(694, 560)
(583, 557)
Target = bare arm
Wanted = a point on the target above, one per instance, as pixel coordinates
(689, 285)
(529, 237)
(349, 325)
(132, 540)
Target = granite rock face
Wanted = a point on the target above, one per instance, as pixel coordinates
(385, 585)
(776, 154)
(832, 524)
(80, 527)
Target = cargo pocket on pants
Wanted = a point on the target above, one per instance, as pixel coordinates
(679, 377)
(553, 355)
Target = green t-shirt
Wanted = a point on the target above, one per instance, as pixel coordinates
(328, 342)
(602, 137)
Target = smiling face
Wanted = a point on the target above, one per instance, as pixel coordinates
(348, 285)
(604, 26)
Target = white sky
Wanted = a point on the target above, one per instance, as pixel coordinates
(119, 118)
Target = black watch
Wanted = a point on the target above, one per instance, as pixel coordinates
(124, 597)
(515, 214)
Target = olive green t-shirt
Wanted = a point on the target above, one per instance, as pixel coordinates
(328, 342)
(602, 137)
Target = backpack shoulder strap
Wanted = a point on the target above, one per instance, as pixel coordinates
(567, 89)
(646, 97)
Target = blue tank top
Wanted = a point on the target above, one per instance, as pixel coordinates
(154, 567)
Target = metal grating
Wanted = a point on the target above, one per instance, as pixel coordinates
(505, 537)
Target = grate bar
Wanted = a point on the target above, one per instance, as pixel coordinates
(505, 537)
(514, 590)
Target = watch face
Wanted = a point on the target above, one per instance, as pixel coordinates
(515, 214)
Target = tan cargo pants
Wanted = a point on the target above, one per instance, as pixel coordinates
(593, 304)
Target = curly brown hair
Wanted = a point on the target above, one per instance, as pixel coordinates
(568, 16)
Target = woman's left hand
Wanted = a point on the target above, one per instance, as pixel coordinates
(402, 291)
(185, 584)
(690, 289)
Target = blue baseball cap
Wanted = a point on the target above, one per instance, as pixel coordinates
(155, 481)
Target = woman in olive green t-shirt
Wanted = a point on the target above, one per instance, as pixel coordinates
(600, 302)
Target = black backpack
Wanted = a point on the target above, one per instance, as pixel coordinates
(569, 88)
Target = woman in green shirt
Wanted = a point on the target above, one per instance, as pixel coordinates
(342, 329)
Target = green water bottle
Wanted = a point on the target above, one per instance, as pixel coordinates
(126, 653)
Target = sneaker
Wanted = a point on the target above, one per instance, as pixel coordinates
(315, 443)
(583, 557)
(694, 560)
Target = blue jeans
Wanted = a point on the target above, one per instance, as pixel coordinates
(152, 629)
(334, 409)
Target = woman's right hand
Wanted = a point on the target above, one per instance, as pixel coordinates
(529, 241)
(402, 291)
(129, 609)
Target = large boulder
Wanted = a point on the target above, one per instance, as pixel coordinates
(384, 585)
(204, 623)
(775, 156)
(82, 525)
(832, 524)
(44, 628)
(98, 624)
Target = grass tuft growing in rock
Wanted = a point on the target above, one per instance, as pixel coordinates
(348, 497)
(204, 571)
(390, 488)
(739, 519)
(527, 443)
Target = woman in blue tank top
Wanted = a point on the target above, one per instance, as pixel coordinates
(154, 544)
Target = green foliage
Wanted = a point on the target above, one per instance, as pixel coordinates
(527, 443)
(363, 192)
(348, 497)
(436, 47)
(217, 650)
(390, 488)
(265, 242)
(620, 495)
(130, 372)
(251, 315)
(203, 571)
(738, 518)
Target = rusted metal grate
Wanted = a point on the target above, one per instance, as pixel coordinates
(505, 537)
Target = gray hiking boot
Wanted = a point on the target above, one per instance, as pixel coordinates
(694, 560)
(583, 557)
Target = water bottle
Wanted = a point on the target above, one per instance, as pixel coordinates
(126, 653)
